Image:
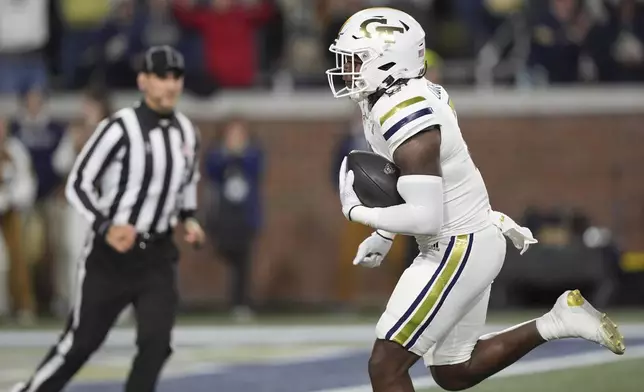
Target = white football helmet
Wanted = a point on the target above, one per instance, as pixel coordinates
(390, 45)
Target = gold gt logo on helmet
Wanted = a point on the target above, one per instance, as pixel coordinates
(384, 30)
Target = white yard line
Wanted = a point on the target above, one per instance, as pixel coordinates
(198, 367)
(530, 367)
(230, 336)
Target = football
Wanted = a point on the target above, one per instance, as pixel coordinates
(375, 179)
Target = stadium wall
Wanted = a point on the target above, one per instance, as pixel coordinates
(548, 148)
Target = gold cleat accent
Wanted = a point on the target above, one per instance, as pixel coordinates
(613, 338)
(575, 298)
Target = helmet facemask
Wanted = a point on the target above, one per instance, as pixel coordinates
(347, 79)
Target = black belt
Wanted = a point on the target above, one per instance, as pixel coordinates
(143, 239)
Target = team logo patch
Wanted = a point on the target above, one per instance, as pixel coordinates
(389, 169)
(379, 27)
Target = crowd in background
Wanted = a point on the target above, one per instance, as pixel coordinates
(86, 46)
(67, 44)
(43, 236)
(40, 230)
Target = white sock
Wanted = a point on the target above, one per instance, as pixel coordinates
(493, 334)
(547, 326)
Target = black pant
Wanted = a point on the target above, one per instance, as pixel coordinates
(108, 282)
(239, 261)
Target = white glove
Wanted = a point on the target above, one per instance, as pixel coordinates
(373, 250)
(348, 196)
(520, 236)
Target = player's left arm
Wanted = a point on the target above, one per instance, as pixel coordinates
(420, 185)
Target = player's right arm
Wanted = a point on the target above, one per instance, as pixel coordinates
(91, 163)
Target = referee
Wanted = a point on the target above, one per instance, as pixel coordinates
(134, 180)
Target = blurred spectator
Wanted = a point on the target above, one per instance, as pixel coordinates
(131, 30)
(229, 32)
(95, 106)
(482, 18)
(162, 28)
(81, 20)
(235, 166)
(17, 192)
(617, 45)
(271, 39)
(159, 25)
(557, 39)
(75, 225)
(111, 53)
(24, 31)
(118, 44)
(602, 239)
(41, 136)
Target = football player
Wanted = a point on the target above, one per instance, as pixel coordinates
(438, 308)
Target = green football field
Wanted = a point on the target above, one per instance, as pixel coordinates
(623, 376)
(318, 353)
(494, 317)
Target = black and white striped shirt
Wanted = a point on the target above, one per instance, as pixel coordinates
(138, 167)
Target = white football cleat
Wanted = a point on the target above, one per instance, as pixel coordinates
(576, 317)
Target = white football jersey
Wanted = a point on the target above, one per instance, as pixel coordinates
(407, 109)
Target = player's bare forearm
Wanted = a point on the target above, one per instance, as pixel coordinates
(420, 185)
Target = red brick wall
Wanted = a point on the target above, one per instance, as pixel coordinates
(593, 163)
